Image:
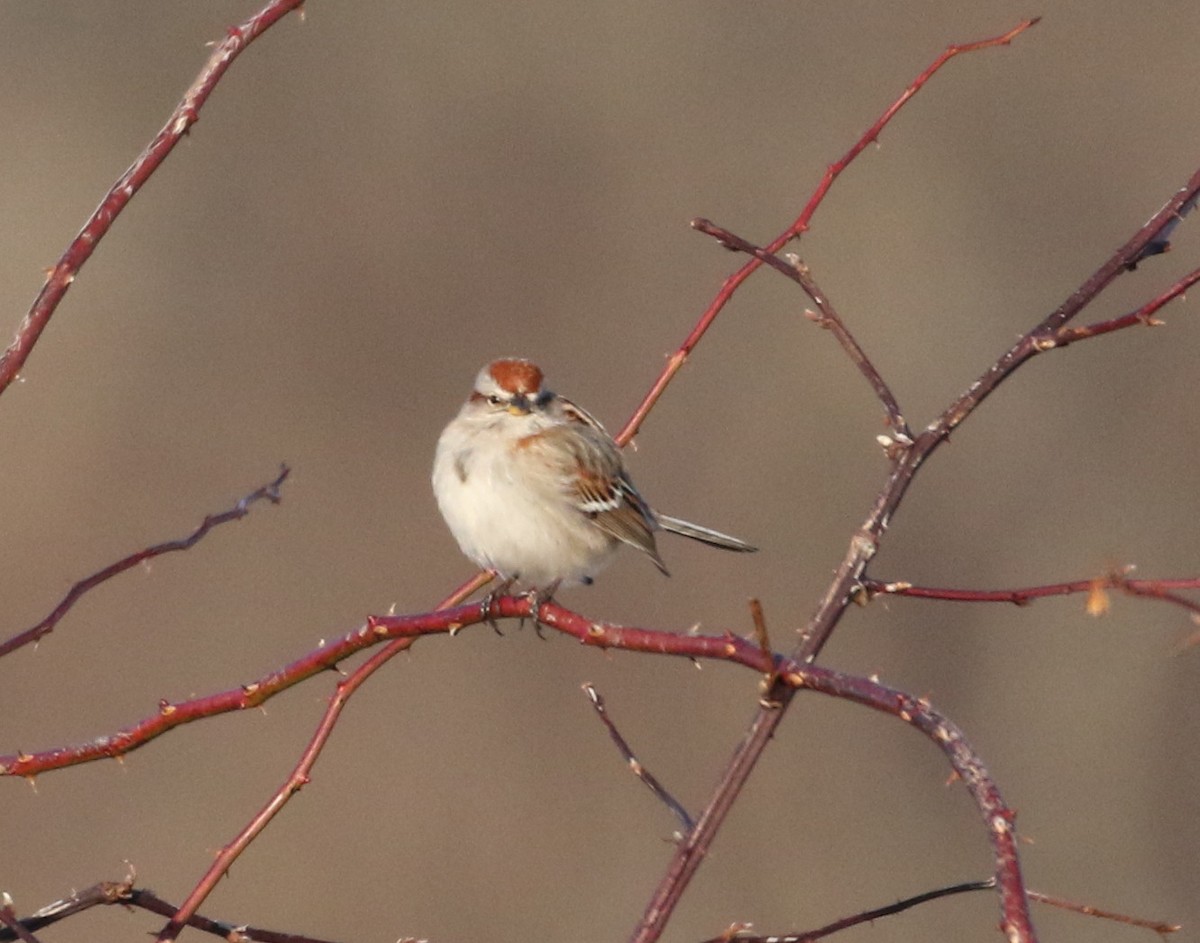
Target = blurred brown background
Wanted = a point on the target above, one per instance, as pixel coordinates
(380, 199)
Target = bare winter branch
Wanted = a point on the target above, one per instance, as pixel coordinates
(785, 675)
(863, 546)
(826, 317)
(295, 781)
(302, 771)
(107, 893)
(402, 631)
(268, 492)
(639, 770)
(1145, 315)
(740, 935)
(1095, 588)
(799, 225)
(186, 114)
(1161, 927)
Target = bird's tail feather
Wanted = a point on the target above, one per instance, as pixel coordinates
(714, 538)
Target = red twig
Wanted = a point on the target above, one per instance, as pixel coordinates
(268, 492)
(1144, 315)
(791, 674)
(1095, 588)
(863, 546)
(800, 225)
(794, 674)
(170, 715)
(186, 114)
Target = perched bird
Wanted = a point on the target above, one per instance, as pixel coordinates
(535, 489)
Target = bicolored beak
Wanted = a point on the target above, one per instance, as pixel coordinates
(520, 405)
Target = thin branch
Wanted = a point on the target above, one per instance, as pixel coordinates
(640, 771)
(107, 893)
(268, 492)
(1162, 242)
(696, 843)
(1160, 927)
(795, 675)
(186, 114)
(738, 934)
(863, 546)
(827, 318)
(235, 933)
(1097, 603)
(868, 916)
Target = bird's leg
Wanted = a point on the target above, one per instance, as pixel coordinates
(485, 607)
(536, 598)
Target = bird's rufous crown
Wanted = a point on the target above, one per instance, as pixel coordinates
(516, 376)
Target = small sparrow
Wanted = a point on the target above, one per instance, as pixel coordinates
(535, 489)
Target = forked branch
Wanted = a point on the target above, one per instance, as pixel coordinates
(731, 284)
(826, 316)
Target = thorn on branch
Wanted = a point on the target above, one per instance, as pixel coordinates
(769, 680)
(817, 318)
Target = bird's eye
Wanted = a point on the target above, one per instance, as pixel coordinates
(495, 400)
